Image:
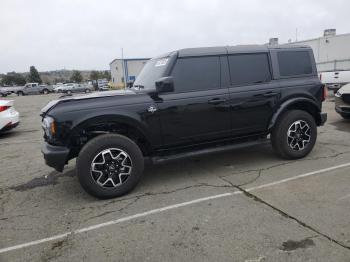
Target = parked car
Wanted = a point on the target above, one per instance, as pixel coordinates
(185, 103)
(342, 101)
(4, 92)
(33, 89)
(104, 88)
(56, 88)
(70, 88)
(334, 80)
(13, 89)
(9, 117)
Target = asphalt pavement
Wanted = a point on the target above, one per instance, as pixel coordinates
(242, 205)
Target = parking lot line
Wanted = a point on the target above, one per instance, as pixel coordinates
(163, 209)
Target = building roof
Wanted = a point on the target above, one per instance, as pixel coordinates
(130, 59)
(321, 37)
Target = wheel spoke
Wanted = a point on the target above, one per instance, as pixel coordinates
(111, 167)
(298, 135)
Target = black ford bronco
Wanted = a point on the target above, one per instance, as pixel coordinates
(185, 103)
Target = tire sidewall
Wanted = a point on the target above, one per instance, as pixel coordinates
(94, 147)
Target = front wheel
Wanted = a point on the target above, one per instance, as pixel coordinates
(109, 166)
(45, 91)
(20, 93)
(294, 135)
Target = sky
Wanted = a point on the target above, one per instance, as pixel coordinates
(89, 34)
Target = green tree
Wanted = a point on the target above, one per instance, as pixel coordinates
(76, 77)
(94, 75)
(107, 75)
(34, 76)
(13, 78)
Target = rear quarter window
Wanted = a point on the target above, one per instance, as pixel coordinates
(294, 63)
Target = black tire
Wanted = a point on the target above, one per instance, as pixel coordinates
(279, 134)
(20, 93)
(345, 116)
(69, 92)
(87, 90)
(45, 91)
(4, 95)
(92, 149)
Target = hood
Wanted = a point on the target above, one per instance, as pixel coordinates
(344, 89)
(96, 95)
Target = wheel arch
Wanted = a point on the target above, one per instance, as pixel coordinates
(92, 126)
(304, 104)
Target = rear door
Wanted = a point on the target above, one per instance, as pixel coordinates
(29, 89)
(198, 109)
(253, 93)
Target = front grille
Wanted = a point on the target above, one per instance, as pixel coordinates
(346, 98)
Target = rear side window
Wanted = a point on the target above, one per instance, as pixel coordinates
(294, 63)
(196, 73)
(246, 69)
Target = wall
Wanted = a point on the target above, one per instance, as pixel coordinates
(132, 68)
(331, 53)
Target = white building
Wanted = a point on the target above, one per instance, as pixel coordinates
(331, 51)
(129, 68)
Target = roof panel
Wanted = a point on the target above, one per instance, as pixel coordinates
(200, 51)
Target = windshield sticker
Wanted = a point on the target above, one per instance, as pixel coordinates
(162, 62)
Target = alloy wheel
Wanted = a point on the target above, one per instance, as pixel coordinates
(111, 167)
(298, 135)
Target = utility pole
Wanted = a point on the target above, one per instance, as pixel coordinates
(124, 73)
(296, 34)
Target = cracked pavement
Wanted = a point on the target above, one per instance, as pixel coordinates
(302, 220)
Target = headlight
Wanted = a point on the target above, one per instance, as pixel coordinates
(49, 126)
(338, 94)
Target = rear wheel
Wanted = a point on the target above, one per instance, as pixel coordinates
(45, 91)
(294, 135)
(20, 93)
(69, 92)
(87, 91)
(109, 166)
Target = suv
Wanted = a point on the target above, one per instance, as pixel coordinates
(185, 103)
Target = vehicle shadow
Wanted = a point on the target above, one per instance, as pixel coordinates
(172, 175)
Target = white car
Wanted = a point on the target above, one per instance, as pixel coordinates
(9, 117)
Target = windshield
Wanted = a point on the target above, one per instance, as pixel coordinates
(152, 71)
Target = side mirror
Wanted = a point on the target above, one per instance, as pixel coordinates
(165, 85)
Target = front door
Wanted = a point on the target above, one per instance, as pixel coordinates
(198, 108)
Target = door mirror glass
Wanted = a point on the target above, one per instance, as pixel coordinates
(165, 85)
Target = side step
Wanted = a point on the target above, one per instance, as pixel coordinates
(161, 159)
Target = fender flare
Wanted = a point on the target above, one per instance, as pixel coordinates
(285, 105)
(118, 117)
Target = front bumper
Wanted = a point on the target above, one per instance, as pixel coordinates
(341, 107)
(55, 156)
(343, 110)
(9, 127)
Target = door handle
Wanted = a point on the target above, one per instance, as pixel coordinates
(270, 94)
(216, 101)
